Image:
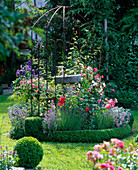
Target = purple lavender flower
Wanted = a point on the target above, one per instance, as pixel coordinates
(23, 72)
(40, 73)
(36, 76)
(29, 63)
(27, 68)
(33, 72)
(17, 73)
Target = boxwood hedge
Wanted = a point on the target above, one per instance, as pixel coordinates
(33, 127)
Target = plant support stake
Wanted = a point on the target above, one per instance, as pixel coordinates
(105, 29)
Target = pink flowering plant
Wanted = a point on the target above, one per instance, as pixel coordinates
(113, 156)
(7, 158)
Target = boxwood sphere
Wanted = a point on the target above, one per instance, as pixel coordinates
(30, 152)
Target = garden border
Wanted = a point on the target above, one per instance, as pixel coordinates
(33, 127)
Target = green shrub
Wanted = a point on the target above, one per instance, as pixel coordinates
(33, 127)
(30, 152)
(102, 123)
(1, 90)
(16, 132)
(90, 136)
(136, 138)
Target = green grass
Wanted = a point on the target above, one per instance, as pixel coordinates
(57, 156)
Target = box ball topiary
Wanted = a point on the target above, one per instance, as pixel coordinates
(30, 152)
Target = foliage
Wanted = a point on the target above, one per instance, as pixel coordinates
(16, 132)
(101, 120)
(136, 138)
(30, 152)
(33, 127)
(126, 98)
(9, 40)
(71, 119)
(116, 56)
(7, 159)
(1, 90)
(113, 155)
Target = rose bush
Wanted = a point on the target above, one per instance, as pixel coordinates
(113, 155)
(88, 97)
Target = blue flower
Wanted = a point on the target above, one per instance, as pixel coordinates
(40, 73)
(33, 72)
(29, 63)
(17, 73)
(23, 72)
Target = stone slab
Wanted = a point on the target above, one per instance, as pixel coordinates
(68, 79)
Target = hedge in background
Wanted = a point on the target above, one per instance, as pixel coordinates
(33, 127)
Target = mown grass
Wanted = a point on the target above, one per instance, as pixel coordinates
(57, 156)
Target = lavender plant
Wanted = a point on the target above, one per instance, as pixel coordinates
(50, 121)
(121, 116)
(17, 114)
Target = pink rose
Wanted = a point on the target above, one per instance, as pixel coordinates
(121, 144)
(112, 167)
(21, 82)
(81, 99)
(116, 100)
(29, 82)
(77, 94)
(120, 168)
(103, 166)
(73, 88)
(107, 106)
(97, 147)
(99, 100)
(95, 69)
(88, 90)
(102, 76)
(33, 86)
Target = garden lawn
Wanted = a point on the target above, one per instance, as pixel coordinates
(57, 156)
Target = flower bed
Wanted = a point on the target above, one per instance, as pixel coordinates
(83, 115)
